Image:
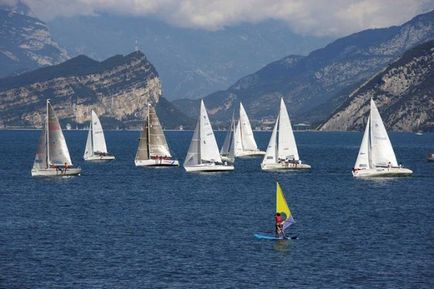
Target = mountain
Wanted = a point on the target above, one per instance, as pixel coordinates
(314, 86)
(25, 42)
(192, 63)
(117, 88)
(403, 92)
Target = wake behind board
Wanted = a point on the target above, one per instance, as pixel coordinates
(269, 236)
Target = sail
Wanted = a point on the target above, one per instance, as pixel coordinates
(88, 151)
(287, 148)
(99, 145)
(381, 150)
(229, 143)
(142, 150)
(209, 151)
(193, 154)
(58, 151)
(271, 153)
(157, 141)
(247, 138)
(362, 161)
(238, 143)
(282, 207)
(41, 153)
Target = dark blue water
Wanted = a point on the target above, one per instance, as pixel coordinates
(118, 226)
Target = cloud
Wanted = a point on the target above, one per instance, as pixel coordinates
(309, 17)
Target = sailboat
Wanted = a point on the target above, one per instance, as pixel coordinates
(96, 149)
(283, 209)
(153, 149)
(203, 154)
(52, 156)
(245, 144)
(376, 157)
(227, 151)
(282, 152)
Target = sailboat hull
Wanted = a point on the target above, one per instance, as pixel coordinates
(52, 172)
(209, 168)
(255, 153)
(100, 158)
(156, 163)
(382, 172)
(284, 166)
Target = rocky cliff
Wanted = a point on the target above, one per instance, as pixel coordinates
(315, 85)
(25, 43)
(117, 89)
(403, 92)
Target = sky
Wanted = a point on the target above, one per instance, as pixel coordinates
(331, 18)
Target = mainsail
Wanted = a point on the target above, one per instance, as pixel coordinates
(209, 151)
(99, 145)
(287, 148)
(247, 138)
(157, 141)
(282, 207)
(58, 153)
(381, 150)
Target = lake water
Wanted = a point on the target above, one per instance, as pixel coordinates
(118, 226)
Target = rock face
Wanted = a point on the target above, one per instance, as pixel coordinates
(117, 89)
(25, 43)
(315, 85)
(403, 92)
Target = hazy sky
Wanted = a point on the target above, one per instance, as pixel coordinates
(308, 17)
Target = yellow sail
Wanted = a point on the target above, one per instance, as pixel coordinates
(281, 205)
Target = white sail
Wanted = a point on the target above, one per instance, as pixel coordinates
(41, 153)
(142, 151)
(381, 150)
(58, 153)
(157, 141)
(271, 153)
(362, 161)
(287, 148)
(247, 138)
(99, 145)
(238, 143)
(193, 154)
(209, 151)
(88, 151)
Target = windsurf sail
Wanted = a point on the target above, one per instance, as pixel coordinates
(282, 208)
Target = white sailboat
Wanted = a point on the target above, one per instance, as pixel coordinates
(227, 151)
(282, 153)
(203, 154)
(96, 148)
(52, 157)
(153, 149)
(376, 157)
(245, 144)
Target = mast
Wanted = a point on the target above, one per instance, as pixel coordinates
(91, 135)
(148, 131)
(47, 137)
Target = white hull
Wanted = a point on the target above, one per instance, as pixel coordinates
(227, 159)
(56, 172)
(156, 163)
(382, 172)
(430, 157)
(209, 168)
(284, 166)
(249, 154)
(100, 158)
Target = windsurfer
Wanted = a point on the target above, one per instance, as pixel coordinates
(279, 224)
